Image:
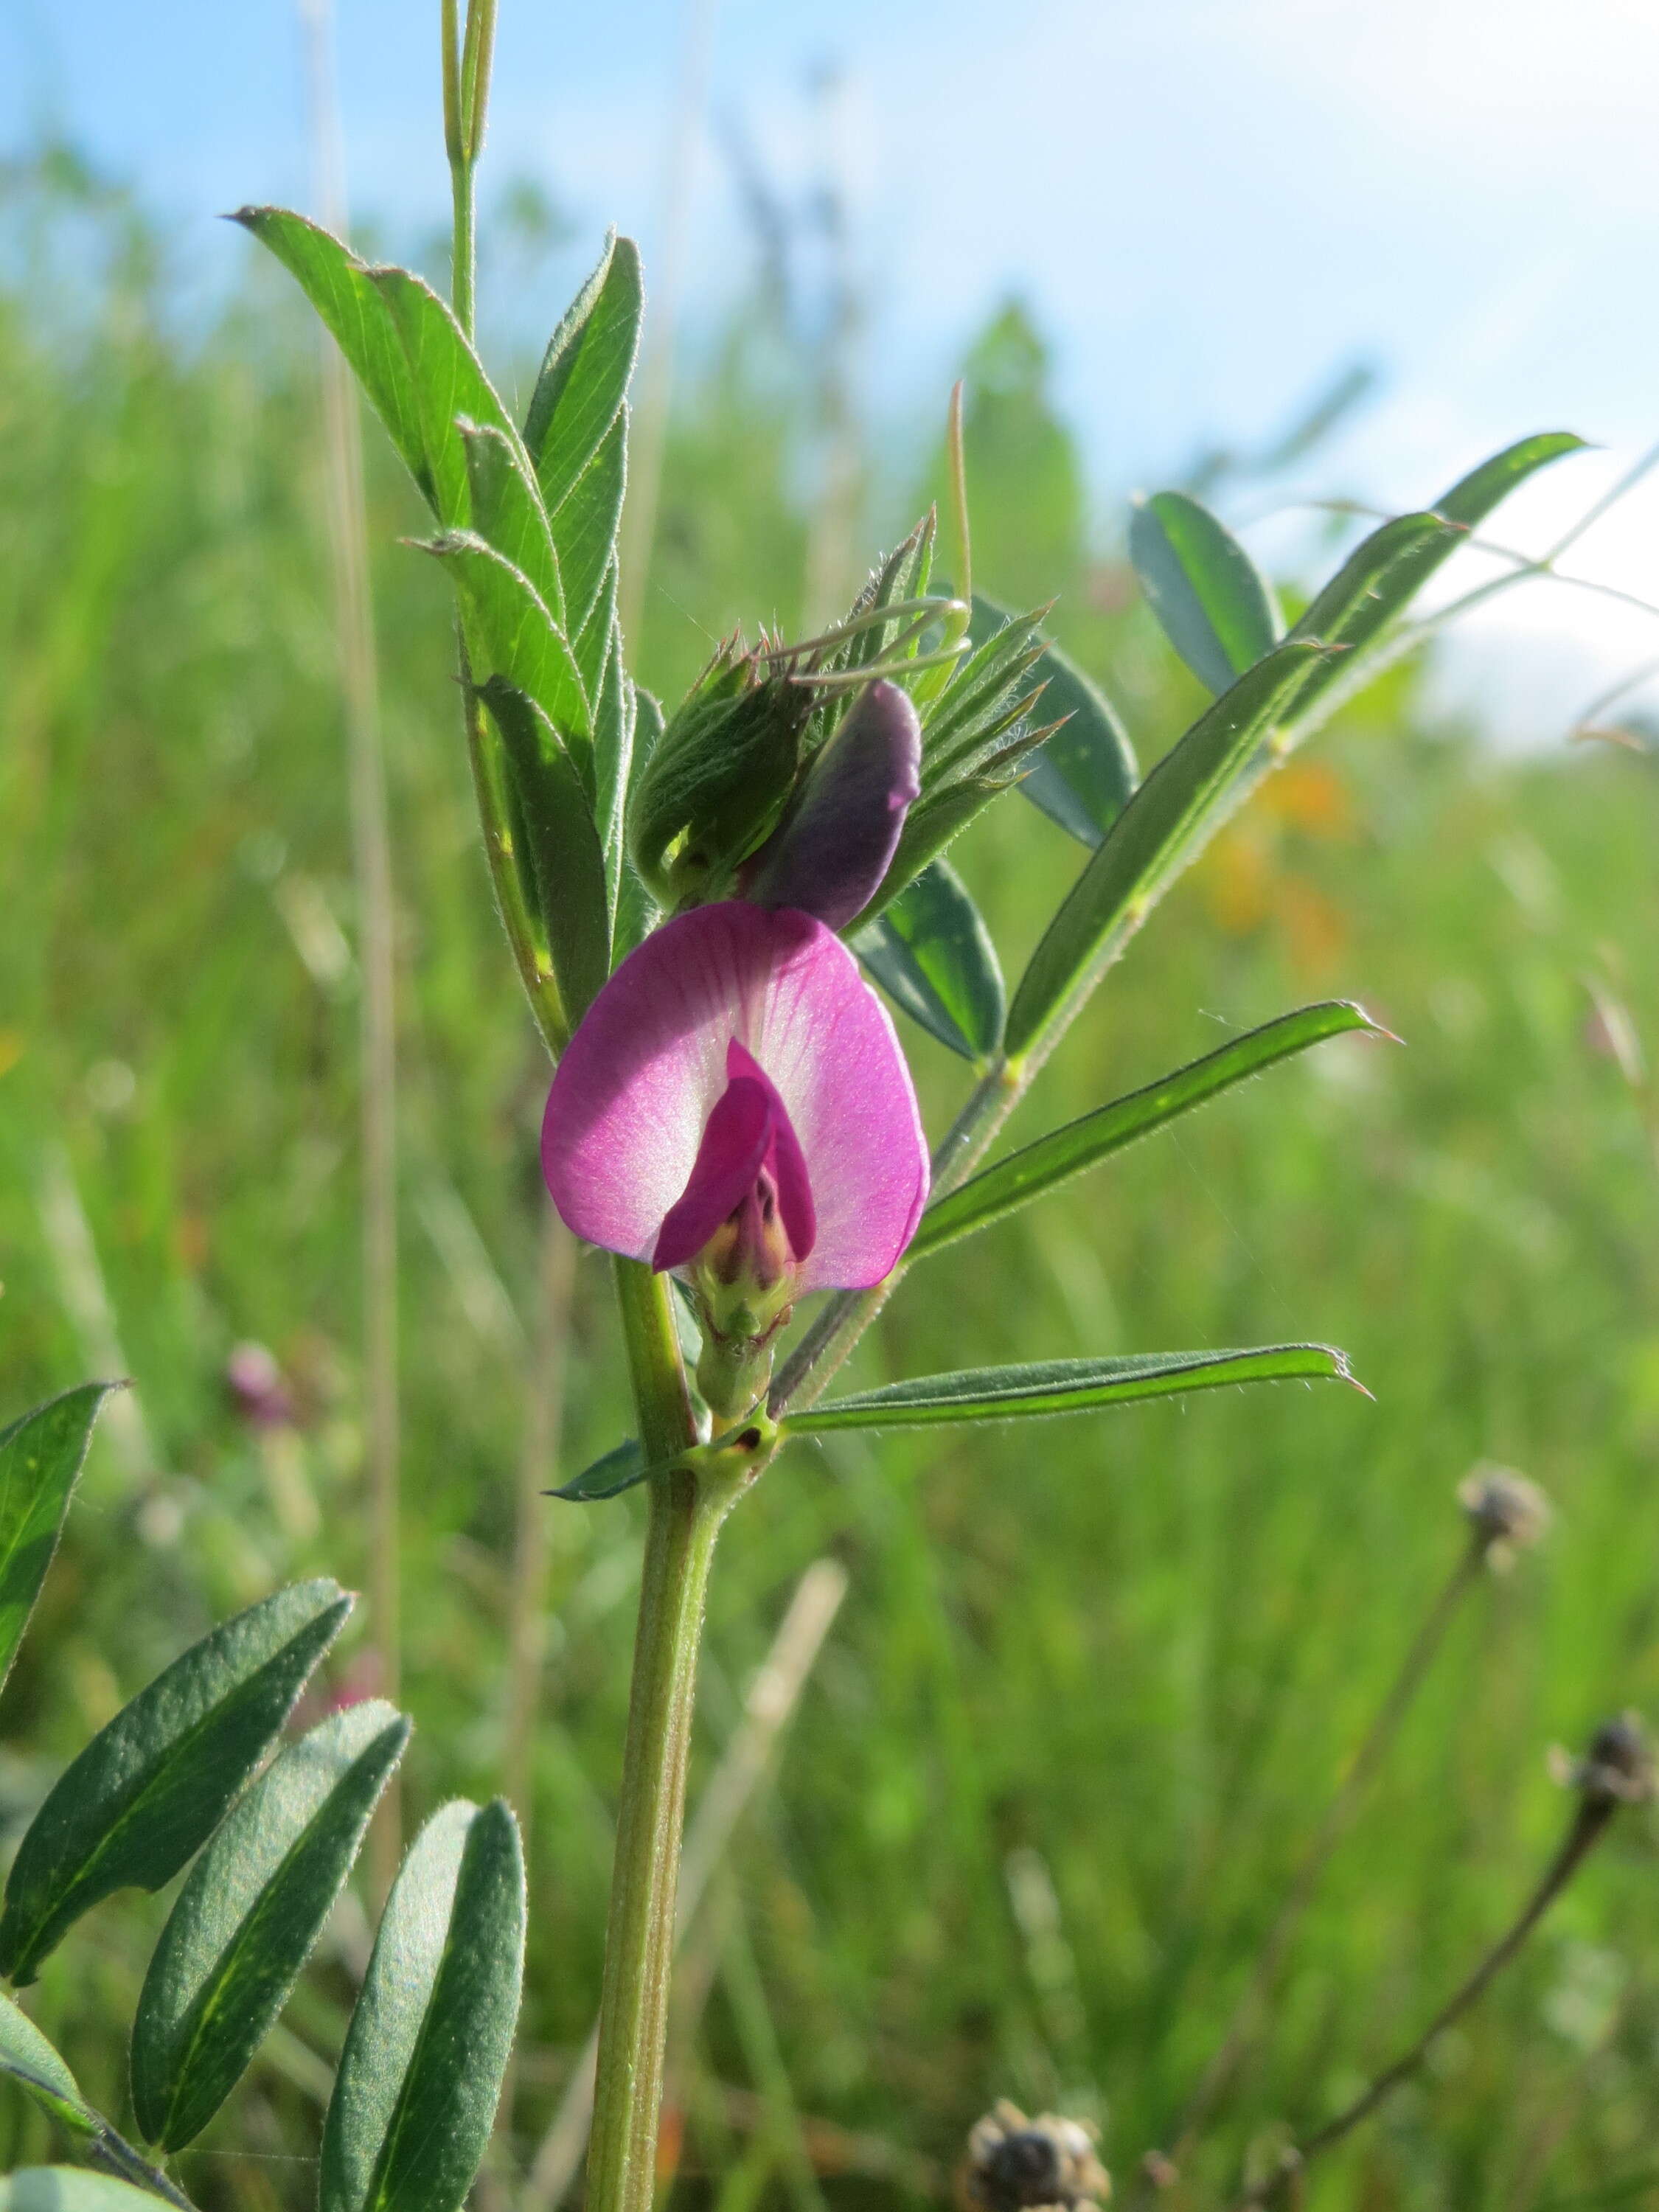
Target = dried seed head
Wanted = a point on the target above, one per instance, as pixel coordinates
(1508, 1513)
(1618, 1769)
(1044, 2164)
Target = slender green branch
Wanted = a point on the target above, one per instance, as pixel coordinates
(1589, 1824)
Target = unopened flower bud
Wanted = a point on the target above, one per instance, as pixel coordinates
(1045, 2164)
(720, 776)
(830, 853)
(1508, 1513)
(1618, 1768)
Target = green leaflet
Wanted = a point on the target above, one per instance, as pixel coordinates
(931, 952)
(618, 1470)
(41, 1459)
(636, 908)
(1473, 496)
(72, 2189)
(506, 512)
(1391, 565)
(585, 373)
(1166, 810)
(585, 521)
(340, 289)
(613, 752)
(1052, 1160)
(29, 2059)
(567, 865)
(1210, 601)
(415, 2098)
(594, 641)
(1377, 580)
(245, 1919)
(511, 629)
(449, 382)
(1083, 775)
(1065, 1386)
(154, 1784)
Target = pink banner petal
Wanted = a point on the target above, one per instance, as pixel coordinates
(648, 1065)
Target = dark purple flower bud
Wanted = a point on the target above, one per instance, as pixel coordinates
(837, 841)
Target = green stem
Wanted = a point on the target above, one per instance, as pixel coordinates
(685, 1519)
(463, 247)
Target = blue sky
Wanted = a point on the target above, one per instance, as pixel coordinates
(1209, 203)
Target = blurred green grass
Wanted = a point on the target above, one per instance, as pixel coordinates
(1122, 1658)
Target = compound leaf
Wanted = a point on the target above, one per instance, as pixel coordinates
(155, 1782)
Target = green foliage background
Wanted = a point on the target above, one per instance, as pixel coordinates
(1123, 1656)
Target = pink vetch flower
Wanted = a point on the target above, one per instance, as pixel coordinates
(735, 1106)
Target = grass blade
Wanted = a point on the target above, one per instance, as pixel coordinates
(932, 953)
(40, 1460)
(429, 2043)
(1065, 1386)
(152, 1786)
(247, 1916)
(1042, 1167)
(1150, 832)
(1211, 600)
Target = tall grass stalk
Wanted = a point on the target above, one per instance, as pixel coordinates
(648, 443)
(371, 844)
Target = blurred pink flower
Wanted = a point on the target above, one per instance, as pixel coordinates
(257, 1387)
(735, 1102)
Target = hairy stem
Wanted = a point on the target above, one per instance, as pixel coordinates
(1589, 1825)
(684, 1520)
